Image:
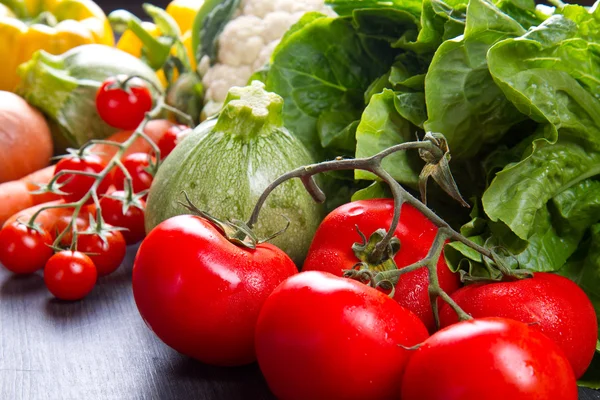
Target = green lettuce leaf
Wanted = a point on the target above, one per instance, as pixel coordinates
(322, 67)
(347, 7)
(380, 127)
(463, 102)
(548, 74)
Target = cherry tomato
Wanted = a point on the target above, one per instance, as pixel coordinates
(123, 108)
(77, 186)
(170, 138)
(136, 164)
(24, 250)
(553, 304)
(200, 293)
(319, 336)
(489, 358)
(132, 220)
(331, 249)
(70, 275)
(82, 223)
(107, 255)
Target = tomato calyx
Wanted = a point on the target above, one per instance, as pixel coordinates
(370, 256)
(236, 231)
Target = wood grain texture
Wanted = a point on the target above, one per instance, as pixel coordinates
(100, 349)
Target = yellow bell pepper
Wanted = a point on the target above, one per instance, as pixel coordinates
(51, 25)
(183, 12)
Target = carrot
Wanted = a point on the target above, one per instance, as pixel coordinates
(46, 219)
(154, 129)
(55, 220)
(42, 176)
(15, 195)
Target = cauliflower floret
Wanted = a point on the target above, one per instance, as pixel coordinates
(247, 42)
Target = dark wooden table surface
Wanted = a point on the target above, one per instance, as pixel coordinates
(99, 348)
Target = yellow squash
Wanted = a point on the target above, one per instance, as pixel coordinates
(51, 25)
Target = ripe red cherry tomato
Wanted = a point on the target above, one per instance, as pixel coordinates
(76, 186)
(553, 304)
(132, 220)
(491, 359)
(123, 108)
(70, 275)
(137, 165)
(331, 249)
(107, 255)
(24, 250)
(319, 336)
(200, 293)
(82, 223)
(170, 138)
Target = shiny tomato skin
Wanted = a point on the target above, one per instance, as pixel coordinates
(24, 250)
(320, 336)
(553, 304)
(123, 109)
(70, 275)
(137, 165)
(107, 254)
(132, 220)
(76, 186)
(201, 294)
(491, 359)
(331, 249)
(168, 141)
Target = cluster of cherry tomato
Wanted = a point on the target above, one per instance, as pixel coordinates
(97, 251)
(319, 335)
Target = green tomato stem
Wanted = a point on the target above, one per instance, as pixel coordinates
(115, 161)
(373, 165)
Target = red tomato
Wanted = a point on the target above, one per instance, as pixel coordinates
(331, 249)
(132, 220)
(123, 108)
(82, 223)
(77, 186)
(170, 138)
(319, 336)
(200, 293)
(106, 255)
(137, 165)
(24, 250)
(553, 304)
(70, 275)
(491, 359)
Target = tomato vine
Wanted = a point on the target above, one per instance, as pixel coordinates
(433, 149)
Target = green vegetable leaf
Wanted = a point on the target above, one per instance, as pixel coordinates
(391, 25)
(439, 21)
(549, 75)
(347, 7)
(322, 67)
(382, 126)
(208, 25)
(337, 131)
(463, 102)
(376, 190)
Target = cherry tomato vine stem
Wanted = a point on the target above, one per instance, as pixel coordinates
(115, 161)
(433, 150)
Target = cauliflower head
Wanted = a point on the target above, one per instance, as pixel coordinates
(247, 42)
